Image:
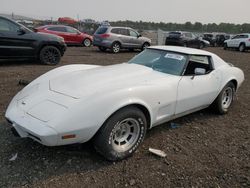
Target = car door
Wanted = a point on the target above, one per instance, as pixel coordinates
(195, 90)
(59, 31)
(234, 42)
(15, 40)
(135, 42)
(194, 41)
(189, 39)
(74, 36)
(124, 37)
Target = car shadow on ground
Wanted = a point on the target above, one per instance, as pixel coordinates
(24, 161)
(6, 63)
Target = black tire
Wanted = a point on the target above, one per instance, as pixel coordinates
(225, 46)
(116, 47)
(101, 48)
(87, 42)
(144, 46)
(221, 104)
(50, 55)
(242, 47)
(108, 139)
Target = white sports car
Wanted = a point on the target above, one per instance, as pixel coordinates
(115, 105)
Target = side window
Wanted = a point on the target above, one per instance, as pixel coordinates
(7, 26)
(123, 32)
(198, 61)
(59, 29)
(188, 35)
(236, 37)
(71, 30)
(133, 33)
(115, 30)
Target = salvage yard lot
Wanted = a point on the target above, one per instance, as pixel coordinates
(207, 150)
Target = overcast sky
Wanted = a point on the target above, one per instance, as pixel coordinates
(180, 11)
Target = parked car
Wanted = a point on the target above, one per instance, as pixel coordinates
(220, 38)
(216, 39)
(186, 39)
(210, 37)
(240, 42)
(19, 43)
(116, 38)
(71, 35)
(115, 105)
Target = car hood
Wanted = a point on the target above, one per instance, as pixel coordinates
(47, 36)
(81, 83)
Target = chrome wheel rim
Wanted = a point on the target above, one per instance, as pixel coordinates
(125, 134)
(87, 42)
(116, 48)
(227, 97)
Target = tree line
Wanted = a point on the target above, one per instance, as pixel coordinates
(188, 26)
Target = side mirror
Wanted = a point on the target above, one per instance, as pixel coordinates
(199, 71)
(139, 35)
(21, 31)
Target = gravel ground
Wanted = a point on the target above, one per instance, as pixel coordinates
(207, 150)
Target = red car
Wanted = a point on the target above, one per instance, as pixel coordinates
(71, 35)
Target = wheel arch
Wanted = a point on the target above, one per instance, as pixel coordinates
(88, 39)
(145, 110)
(242, 43)
(46, 44)
(117, 41)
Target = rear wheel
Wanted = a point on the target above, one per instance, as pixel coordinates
(242, 47)
(224, 99)
(50, 55)
(87, 42)
(116, 47)
(101, 48)
(121, 134)
(225, 46)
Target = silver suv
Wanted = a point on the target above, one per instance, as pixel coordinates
(116, 38)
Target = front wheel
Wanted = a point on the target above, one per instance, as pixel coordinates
(87, 42)
(144, 46)
(242, 47)
(50, 55)
(121, 134)
(224, 99)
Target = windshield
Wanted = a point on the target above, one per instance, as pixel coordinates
(161, 60)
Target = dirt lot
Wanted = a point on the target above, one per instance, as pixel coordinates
(207, 150)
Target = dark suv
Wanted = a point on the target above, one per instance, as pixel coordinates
(187, 39)
(116, 38)
(19, 43)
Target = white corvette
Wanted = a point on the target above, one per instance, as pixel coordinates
(115, 105)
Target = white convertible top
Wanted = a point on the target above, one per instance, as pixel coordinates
(184, 50)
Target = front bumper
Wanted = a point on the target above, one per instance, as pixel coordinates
(27, 126)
